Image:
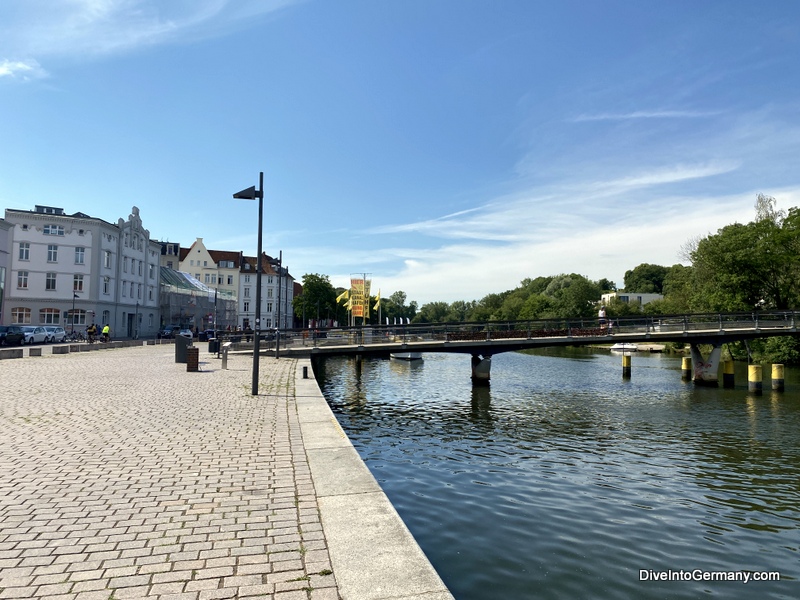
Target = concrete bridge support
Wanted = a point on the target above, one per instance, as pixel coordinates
(481, 369)
(706, 369)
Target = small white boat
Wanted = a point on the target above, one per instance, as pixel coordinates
(624, 347)
(407, 355)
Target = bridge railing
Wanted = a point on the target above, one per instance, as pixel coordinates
(505, 330)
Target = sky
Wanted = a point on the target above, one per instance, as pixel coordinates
(446, 148)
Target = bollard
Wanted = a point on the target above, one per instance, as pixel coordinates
(686, 368)
(305, 372)
(727, 374)
(754, 379)
(777, 378)
(626, 366)
(192, 359)
(225, 348)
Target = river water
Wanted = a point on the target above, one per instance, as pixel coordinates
(564, 480)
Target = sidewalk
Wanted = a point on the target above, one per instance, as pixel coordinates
(123, 476)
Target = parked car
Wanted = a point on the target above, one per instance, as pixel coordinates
(55, 334)
(170, 331)
(34, 335)
(11, 335)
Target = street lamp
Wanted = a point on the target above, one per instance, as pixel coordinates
(74, 295)
(251, 194)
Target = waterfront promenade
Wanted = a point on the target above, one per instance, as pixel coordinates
(124, 476)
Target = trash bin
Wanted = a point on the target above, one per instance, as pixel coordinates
(182, 343)
(213, 345)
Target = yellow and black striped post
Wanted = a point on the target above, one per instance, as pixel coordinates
(754, 384)
(727, 374)
(777, 378)
(626, 366)
(686, 368)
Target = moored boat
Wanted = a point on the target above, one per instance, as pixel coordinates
(407, 355)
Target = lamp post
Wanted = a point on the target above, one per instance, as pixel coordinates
(74, 295)
(251, 194)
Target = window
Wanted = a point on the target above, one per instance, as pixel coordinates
(214, 279)
(151, 271)
(77, 283)
(269, 292)
(150, 320)
(125, 264)
(24, 251)
(107, 259)
(208, 278)
(246, 307)
(49, 316)
(205, 263)
(169, 264)
(22, 280)
(139, 291)
(78, 317)
(150, 294)
(269, 278)
(20, 315)
(230, 279)
(106, 284)
(53, 230)
(191, 263)
(79, 255)
(247, 292)
(106, 316)
(269, 307)
(52, 253)
(131, 289)
(50, 281)
(197, 276)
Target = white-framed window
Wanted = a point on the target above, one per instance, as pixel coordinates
(107, 259)
(49, 316)
(50, 281)
(246, 307)
(52, 253)
(269, 278)
(230, 279)
(76, 317)
(80, 255)
(247, 278)
(21, 315)
(125, 264)
(77, 283)
(22, 280)
(139, 291)
(106, 284)
(150, 294)
(269, 292)
(151, 271)
(140, 267)
(106, 316)
(131, 289)
(247, 292)
(53, 230)
(208, 277)
(24, 251)
(269, 307)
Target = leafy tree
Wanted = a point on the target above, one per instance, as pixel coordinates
(318, 297)
(646, 279)
(459, 311)
(433, 312)
(488, 307)
(573, 296)
(396, 307)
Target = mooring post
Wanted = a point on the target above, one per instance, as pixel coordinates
(754, 384)
(777, 378)
(728, 374)
(686, 368)
(481, 369)
(626, 366)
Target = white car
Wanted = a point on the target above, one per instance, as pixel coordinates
(34, 335)
(55, 334)
(186, 333)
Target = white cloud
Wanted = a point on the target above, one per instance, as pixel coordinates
(21, 69)
(644, 114)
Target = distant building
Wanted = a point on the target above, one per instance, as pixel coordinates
(277, 293)
(631, 297)
(72, 270)
(5, 260)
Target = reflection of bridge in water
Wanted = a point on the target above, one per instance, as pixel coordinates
(483, 340)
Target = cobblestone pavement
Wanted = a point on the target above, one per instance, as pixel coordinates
(123, 476)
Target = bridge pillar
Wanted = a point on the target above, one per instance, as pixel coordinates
(481, 367)
(754, 384)
(706, 370)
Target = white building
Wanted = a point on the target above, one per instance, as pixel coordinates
(277, 293)
(631, 297)
(72, 270)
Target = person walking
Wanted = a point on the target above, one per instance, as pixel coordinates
(106, 332)
(601, 316)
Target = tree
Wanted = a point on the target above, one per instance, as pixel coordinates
(318, 297)
(432, 312)
(645, 279)
(396, 308)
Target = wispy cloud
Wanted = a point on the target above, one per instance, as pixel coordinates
(24, 70)
(644, 114)
(91, 28)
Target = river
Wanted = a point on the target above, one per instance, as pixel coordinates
(564, 480)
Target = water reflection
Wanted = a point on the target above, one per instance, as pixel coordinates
(563, 480)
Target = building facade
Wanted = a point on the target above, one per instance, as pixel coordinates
(277, 293)
(74, 270)
(5, 261)
(631, 297)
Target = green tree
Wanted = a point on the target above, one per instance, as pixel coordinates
(318, 298)
(645, 279)
(432, 312)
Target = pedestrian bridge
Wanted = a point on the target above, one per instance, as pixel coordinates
(483, 340)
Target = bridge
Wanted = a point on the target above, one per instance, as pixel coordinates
(483, 340)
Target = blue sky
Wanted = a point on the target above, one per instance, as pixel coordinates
(448, 148)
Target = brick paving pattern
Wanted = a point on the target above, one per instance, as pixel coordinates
(123, 476)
